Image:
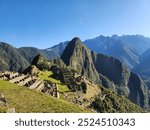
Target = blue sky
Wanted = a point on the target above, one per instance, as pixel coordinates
(44, 23)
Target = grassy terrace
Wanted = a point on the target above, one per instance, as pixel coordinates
(25, 100)
(47, 75)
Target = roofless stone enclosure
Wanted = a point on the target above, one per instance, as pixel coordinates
(31, 82)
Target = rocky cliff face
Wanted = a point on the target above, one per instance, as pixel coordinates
(112, 68)
(139, 92)
(78, 57)
(125, 82)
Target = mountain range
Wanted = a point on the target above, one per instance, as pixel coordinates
(133, 50)
(95, 70)
(109, 62)
(127, 48)
(107, 71)
(18, 59)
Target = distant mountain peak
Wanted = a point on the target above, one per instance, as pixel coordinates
(114, 36)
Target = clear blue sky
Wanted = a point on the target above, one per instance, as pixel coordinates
(43, 23)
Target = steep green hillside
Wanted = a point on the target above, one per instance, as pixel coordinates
(29, 53)
(18, 59)
(10, 58)
(25, 100)
(110, 102)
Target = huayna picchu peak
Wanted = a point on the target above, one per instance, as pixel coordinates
(78, 57)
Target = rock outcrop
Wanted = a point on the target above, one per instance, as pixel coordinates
(125, 82)
(139, 92)
(32, 70)
(41, 62)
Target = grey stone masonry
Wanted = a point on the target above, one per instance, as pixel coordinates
(13, 75)
(26, 80)
(35, 84)
(40, 87)
(8, 75)
(55, 91)
(18, 79)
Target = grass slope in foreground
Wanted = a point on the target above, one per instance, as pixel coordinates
(25, 100)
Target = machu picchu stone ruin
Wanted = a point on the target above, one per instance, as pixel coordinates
(31, 82)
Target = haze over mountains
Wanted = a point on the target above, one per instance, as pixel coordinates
(127, 48)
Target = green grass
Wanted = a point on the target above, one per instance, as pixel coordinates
(25, 100)
(2, 110)
(47, 75)
(114, 103)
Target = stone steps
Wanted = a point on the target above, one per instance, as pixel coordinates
(2, 76)
(40, 87)
(13, 75)
(9, 75)
(17, 79)
(22, 83)
(35, 84)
